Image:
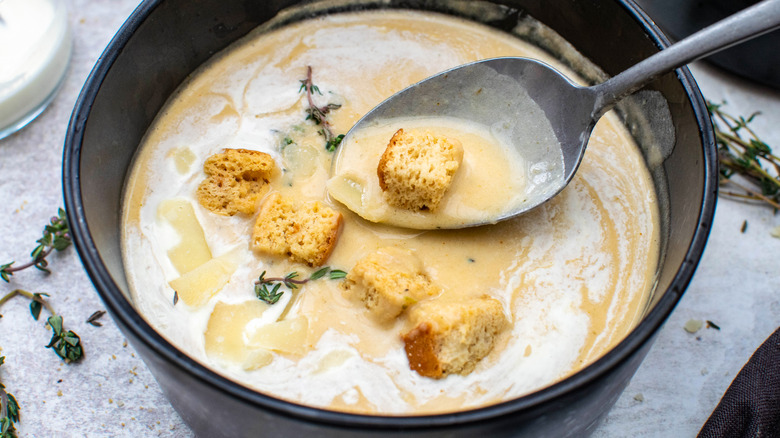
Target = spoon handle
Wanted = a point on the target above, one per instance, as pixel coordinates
(751, 22)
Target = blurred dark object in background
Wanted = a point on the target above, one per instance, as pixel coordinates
(758, 59)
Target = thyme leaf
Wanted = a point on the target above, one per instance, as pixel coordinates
(36, 304)
(319, 273)
(337, 274)
(93, 319)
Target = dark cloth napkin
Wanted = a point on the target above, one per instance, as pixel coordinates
(751, 405)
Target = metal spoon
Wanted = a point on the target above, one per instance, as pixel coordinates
(484, 91)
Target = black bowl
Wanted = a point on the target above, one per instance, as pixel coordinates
(165, 40)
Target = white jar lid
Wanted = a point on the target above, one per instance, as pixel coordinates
(35, 47)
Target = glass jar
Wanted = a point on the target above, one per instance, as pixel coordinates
(35, 48)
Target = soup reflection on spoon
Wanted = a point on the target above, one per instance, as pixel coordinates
(523, 127)
(510, 158)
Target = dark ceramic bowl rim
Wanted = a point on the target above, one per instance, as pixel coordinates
(122, 309)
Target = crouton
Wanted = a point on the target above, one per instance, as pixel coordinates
(387, 282)
(417, 168)
(304, 231)
(236, 180)
(451, 337)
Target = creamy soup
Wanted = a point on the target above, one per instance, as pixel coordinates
(573, 276)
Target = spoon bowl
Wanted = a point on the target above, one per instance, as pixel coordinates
(519, 98)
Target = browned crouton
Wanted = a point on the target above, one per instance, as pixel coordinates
(417, 168)
(236, 179)
(451, 337)
(304, 231)
(387, 282)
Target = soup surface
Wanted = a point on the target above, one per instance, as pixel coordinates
(496, 177)
(573, 276)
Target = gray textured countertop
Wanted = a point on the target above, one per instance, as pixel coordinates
(112, 393)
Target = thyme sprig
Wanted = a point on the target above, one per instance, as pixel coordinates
(9, 411)
(741, 152)
(272, 295)
(66, 344)
(56, 236)
(319, 114)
